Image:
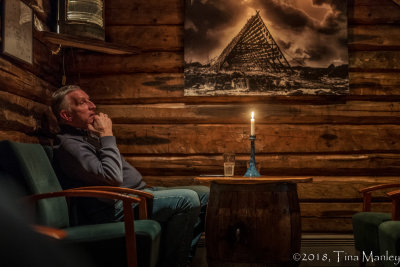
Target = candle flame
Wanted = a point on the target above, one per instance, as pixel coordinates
(252, 115)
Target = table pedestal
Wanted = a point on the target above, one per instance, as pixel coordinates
(252, 224)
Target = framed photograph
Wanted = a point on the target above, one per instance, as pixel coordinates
(17, 30)
(258, 47)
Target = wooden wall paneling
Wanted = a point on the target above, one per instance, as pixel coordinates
(374, 61)
(46, 65)
(25, 93)
(274, 138)
(351, 112)
(153, 62)
(147, 37)
(142, 12)
(168, 87)
(132, 87)
(20, 113)
(20, 82)
(18, 136)
(367, 164)
(159, 62)
(373, 12)
(374, 37)
(345, 143)
(374, 83)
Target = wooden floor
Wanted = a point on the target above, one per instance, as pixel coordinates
(317, 250)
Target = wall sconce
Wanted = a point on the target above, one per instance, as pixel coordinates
(81, 18)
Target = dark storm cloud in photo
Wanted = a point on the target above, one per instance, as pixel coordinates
(309, 32)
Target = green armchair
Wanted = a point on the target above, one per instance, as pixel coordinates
(129, 243)
(389, 233)
(366, 223)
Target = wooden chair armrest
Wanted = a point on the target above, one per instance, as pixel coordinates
(395, 197)
(49, 231)
(84, 193)
(367, 193)
(127, 201)
(377, 187)
(145, 207)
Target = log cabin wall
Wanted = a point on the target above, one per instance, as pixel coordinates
(25, 89)
(345, 143)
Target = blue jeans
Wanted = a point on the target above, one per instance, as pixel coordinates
(181, 213)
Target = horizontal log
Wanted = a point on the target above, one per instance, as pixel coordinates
(20, 82)
(168, 87)
(19, 114)
(352, 112)
(25, 115)
(97, 63)
(374, 37)
(132, 86)
(147, 38)
(276, 138)
(373, 12)
(374, 83)
(18, 136)
(374, 61)
(307, 165)
(121, 12)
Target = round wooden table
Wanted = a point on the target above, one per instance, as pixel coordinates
(253, 221)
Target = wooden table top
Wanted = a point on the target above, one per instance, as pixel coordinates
(252, 180)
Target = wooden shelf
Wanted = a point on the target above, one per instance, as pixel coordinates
(87, 43)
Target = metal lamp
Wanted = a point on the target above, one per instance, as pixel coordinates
(81, 18)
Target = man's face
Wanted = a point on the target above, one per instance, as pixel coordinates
(82, 110)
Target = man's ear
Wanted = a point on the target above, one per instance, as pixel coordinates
(65, 115)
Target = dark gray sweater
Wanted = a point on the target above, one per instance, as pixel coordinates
(81, 159)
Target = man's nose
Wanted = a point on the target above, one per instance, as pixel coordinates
(92, 105)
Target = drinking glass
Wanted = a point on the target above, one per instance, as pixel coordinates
(229, 164)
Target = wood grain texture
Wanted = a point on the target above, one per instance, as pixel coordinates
(216, 138)
(374, 61)
(168, 87)
(290, 164)
(373, 12)
(148, 37)
(351, 112)
(121, 12)
(18, 81)
(374, 37)
(369, 61)
(345, 143)
(158, 62)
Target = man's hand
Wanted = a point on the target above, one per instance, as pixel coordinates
(102, 125)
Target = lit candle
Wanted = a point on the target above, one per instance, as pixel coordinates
(252, 124)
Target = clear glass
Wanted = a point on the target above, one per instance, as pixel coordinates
(90, 11)
(229, 164)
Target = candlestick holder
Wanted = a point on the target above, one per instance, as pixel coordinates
(252, 170)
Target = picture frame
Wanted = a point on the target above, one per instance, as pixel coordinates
(254, 48)
(17, 33)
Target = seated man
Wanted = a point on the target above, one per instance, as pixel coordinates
(86, 154)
